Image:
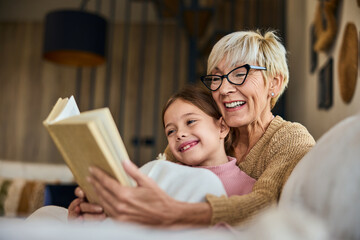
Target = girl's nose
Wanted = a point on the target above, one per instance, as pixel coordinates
(181, 134)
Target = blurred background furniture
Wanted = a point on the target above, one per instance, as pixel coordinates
(25, 187)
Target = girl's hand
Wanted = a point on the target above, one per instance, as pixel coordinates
(80, 209)
(74, 211)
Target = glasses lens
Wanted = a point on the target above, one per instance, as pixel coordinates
(212, 82)
(238, 75)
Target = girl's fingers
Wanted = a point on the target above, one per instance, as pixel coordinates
(93, 217)
(90, 208)
(79, 192)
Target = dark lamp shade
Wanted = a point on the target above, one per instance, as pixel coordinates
(75, 38)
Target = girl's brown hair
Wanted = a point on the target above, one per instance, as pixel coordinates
(202, 99)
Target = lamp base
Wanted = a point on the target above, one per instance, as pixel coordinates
(75, 58)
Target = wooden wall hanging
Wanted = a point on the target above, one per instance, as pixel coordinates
(325, 86)
(313, 53)
(348, 63)
(325, 24)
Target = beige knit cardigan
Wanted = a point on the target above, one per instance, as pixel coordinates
(270, 162)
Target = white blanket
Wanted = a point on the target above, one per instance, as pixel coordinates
(184, 183)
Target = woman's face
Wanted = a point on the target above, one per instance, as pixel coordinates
(241, 105)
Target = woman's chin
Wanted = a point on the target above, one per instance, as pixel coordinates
(235, 121)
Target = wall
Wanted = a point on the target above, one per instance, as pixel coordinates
(303, 85)
(18, 10)
(30, 86)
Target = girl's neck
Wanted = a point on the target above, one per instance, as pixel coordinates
(216, 159)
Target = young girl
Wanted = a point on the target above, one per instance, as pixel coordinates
(198, 136)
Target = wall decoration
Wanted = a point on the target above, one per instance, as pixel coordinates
(325, 86)
(325, 24)
(348, 63)
(313, 53)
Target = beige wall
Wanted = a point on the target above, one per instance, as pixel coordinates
(303, 86)
(30, 86)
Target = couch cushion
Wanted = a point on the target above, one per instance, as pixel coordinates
(19, 197)
(22, 185)
(326, 181)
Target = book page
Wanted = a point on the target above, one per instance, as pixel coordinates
(64, 108)
(71, 109)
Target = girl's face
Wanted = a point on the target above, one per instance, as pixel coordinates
(241, 105)
(194, 138)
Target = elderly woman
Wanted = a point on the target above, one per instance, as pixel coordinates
(247, 73)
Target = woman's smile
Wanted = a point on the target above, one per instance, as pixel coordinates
(234, 105)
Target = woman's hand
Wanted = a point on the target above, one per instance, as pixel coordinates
(80, 209)
(146, 203)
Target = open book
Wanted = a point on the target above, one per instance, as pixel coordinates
(86, 139)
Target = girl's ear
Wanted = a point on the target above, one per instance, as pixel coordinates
(224, 128)
(275, 85)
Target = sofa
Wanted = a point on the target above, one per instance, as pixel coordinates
(25, 187)
(319, 201)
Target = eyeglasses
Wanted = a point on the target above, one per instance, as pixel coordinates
(236, 76)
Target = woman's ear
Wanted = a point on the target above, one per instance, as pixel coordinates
(224, 128)
(275, 85)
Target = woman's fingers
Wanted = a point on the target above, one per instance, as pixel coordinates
(110, 192)
(146, 203)
(135, 173)
(103, 183)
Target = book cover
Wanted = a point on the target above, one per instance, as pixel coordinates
(87, 139)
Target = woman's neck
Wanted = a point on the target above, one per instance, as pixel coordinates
(248, 136)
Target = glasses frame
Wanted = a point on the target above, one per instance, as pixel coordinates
(247, 66)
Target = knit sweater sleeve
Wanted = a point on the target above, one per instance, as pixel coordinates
(270, 162)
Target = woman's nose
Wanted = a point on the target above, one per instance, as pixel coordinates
(226, 87)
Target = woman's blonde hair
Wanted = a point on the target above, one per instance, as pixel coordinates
(254, 48)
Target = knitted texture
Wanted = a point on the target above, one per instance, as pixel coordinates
(270, 162)
(235, 181)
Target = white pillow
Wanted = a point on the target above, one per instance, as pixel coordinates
(327, 180)
(184, 183)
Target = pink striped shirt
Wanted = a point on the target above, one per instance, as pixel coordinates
(235, 181)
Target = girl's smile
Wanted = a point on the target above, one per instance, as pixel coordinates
(187, 145)
(194, 138)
